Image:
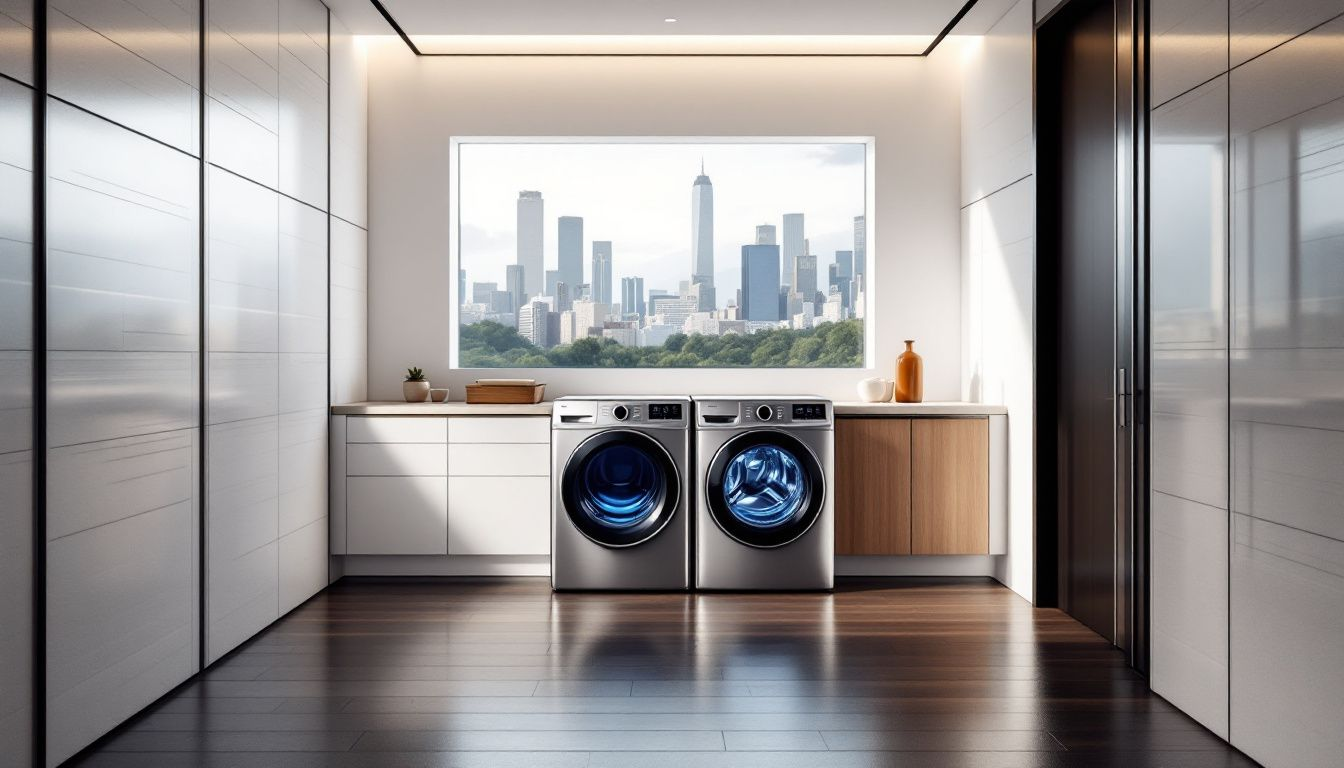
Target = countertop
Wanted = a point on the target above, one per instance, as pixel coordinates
(393, 408)
(918, 409)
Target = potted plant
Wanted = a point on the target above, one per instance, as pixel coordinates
(416, 387)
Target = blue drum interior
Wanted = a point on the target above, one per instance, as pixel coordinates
(620, 487)
(765, 486)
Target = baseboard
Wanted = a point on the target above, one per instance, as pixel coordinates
(445, 565)
(540, 565)
(916, 565)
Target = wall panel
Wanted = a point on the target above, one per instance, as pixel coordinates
(1188, 45)
(243, 88)
(1287, 370)
(16, 404)
(303, 101)
(349, 125)
(16, 40)
(1189, 330)
(123, 255)
(349, 312)
(133, 62)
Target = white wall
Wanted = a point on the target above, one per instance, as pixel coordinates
(998, 246)
(911, 106)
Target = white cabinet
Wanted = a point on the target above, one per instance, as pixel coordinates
(502, 429)
(500, 460)
(499, 516)
(396, 429)
(396, 459)
(441, 485)
(396, 515)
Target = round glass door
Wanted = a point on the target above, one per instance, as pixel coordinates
(765, 488)
(620, 488)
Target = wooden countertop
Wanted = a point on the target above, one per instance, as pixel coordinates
(918, 409)
(393, 408)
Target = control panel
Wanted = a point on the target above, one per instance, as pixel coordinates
(776, 411)
(665, 412)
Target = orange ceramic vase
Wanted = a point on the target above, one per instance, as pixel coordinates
(909, 375)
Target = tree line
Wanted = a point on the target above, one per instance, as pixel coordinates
(488, 344)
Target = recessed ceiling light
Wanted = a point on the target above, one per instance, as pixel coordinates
(669, 21)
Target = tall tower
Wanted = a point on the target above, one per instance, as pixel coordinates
(602, 271)
(571, 250)
(765, 234)
(702, 237)
(793, 245)
(760, 282)
(530, 240)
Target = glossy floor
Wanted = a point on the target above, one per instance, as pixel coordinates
(917, 672)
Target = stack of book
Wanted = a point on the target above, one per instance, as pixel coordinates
(505, 391)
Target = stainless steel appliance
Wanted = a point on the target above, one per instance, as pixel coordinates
(764, 513)
(620, 514)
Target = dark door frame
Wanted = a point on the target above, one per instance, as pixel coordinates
(1131, 619)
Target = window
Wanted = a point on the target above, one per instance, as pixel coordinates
(657, 252)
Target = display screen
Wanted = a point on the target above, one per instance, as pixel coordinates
(664, 411)
(805, 411)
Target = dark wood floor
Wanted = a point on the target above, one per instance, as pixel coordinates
(504, 673)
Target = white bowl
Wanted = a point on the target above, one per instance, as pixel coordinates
(876, 390)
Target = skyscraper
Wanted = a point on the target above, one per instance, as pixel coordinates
(602, 271)
(515, 282)
(632, 297)
(530, 241)
(760, 282)
(461, 286)
(844, 262)
(702, 236)
(860, 245)
(765, 234)
(793, 245)
(805, 276)
(552, 280)
(570, 240)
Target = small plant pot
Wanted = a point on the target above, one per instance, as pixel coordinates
(438, 395)
(415, 391)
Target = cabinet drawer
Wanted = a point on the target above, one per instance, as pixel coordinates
(396, 515)
(499, 429)
(396, 429)
(512, 460)
(499, 516)
(425, 459)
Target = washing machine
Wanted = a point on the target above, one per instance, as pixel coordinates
(620, 514)
(764, 513)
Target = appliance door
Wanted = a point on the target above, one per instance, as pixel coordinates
(765, 488)
(620, 488)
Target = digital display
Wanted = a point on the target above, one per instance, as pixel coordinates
(809, 411)
(664, 411)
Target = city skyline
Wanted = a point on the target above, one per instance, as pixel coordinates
(634, 196)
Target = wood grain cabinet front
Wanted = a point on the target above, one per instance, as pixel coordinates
(872, 486)
(912, 486)
(949, 507)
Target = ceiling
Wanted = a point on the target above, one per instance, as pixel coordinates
(878, 27)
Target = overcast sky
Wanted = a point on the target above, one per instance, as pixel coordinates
(639, 197)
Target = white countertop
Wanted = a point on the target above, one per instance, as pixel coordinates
(393, 408)
(918, 409)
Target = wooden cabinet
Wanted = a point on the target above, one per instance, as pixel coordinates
(949, 493)
(912, 486)
(872, 487)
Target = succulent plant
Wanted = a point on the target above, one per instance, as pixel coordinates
(415, 374)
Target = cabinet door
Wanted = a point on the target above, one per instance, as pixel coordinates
(499, 516)
(396, 515)
(949, 511)
(872, 486)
